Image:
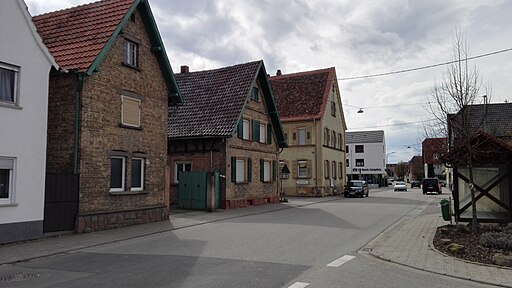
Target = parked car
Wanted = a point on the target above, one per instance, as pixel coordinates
(431, 185)
(357, 188)
(415, 183)
(400, 186)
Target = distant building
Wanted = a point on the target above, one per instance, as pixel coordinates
(432, 149)
(415, 169)
(366, 156)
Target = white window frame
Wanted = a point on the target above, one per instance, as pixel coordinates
(241, 170)
(301, 136)
(123, 174)
(9, 163)
(130, 53)
(143, 162)
(267, 171)
(305, 171)
(122, 111)
(16, 71)
(176, 170)
(263, 133)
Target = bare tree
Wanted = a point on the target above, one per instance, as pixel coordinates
(449, 104)
(401, 169)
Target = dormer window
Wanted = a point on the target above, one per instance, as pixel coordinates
(130, 53)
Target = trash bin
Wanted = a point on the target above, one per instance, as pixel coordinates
(445, 209)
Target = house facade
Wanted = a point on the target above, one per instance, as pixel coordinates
(366, 156)
(25, 65)
(228, 124)
(107, 116)
(314, 127)
(432, 149)
(488, 130)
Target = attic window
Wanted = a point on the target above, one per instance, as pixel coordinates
(130, 53)
(333, 109)
(255, 94)
(132, 17)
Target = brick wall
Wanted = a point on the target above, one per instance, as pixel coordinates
(255, 192)
(101, 135)
(61, 115)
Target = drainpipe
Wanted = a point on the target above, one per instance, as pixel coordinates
(316, 157)
(77, 124)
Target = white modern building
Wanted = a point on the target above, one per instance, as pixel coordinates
(25, 64)
(366, 156)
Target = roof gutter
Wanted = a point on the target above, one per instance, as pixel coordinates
(78, 97)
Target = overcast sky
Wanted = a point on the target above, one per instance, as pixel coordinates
(357, 37)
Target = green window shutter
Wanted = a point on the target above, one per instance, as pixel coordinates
(233, 169)
(262, 170)
(249, 169)
(256, 130)
(274, 170)
(240, 129)
(269, 133)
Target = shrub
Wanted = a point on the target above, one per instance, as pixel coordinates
(496, 240)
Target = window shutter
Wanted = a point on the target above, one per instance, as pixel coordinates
(131, 112)
(269, 133)
(233, 169)
(262, 171)
(294, 169)
(255, 130)
(274, 170)
(249, 169)
(240, 129)
(310, 166)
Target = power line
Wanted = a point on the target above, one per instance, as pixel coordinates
(422, 67)
(385, 106)
(392, 125)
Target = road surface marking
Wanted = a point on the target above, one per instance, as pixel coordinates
(299, 285)
(340, 261)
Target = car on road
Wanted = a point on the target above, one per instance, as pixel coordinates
(431, 185)
(415, 183)
(356, 188)
(400, 186)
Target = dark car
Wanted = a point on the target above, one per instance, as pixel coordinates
(431, 185)
(416, 183)
(356, 188)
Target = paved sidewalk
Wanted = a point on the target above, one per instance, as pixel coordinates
(409, 242)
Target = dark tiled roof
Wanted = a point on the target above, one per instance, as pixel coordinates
(302, 95)
(365, 137)
(498, 118)
(75, 36)
(213, 101)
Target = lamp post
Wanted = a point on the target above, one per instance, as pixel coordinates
(385, 166)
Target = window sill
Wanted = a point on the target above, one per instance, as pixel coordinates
(131, 66)
(9, 205)
(245, 182)
(10, 105)
(111, 193)
(130, 127)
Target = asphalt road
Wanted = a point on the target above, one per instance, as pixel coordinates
(316, 245)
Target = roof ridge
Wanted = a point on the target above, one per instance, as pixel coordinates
(222, 68)
(302, 73)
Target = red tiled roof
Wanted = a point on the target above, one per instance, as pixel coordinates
(212, 101)
(301, 96)
(431, 146)
(75, 36)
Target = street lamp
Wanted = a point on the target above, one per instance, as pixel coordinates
(388, 155)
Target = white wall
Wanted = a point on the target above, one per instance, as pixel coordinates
(374, 158)
(23, 129)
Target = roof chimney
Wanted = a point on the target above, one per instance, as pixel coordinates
(278, 73)
(184, 69)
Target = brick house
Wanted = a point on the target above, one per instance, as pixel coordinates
(432, 149)
(228, 123)
(314, 126)
(107, 122)
(25, 64)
